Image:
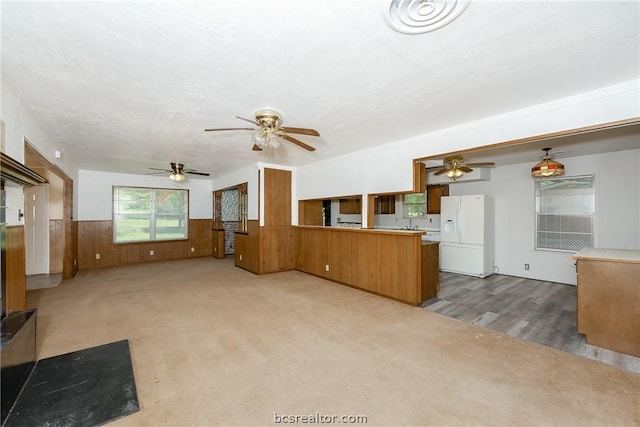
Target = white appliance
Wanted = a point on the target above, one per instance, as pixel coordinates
(466, 235)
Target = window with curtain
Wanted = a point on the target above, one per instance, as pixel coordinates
(565, 213)
(414, 205)
(149, 214)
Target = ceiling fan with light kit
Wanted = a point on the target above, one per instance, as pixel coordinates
(270, 132)
(177, 172)
(454, 167)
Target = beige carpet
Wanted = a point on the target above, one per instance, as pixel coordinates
(215, 345)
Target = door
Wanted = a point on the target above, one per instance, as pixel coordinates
(36, 229)
(472, 220)
(449, 211)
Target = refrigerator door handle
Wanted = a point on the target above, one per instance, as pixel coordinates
(459, 221)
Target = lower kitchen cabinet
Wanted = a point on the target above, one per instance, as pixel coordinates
(608, 298)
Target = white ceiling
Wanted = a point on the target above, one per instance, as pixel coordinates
(125, 86)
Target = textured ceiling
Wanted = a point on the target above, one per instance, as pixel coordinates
(124, 86)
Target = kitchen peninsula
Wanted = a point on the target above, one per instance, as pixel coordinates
(396, 264)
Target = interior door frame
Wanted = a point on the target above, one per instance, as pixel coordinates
(36, 234)
(69, 235)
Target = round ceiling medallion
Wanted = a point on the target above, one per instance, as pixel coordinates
(421, 16)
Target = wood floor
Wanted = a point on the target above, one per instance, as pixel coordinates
(532, 310)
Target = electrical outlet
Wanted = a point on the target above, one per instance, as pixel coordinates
(151, 252)
(526, 266)
(97, 256)
(326, 267)
(193, 249)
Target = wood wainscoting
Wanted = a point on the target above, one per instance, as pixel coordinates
(96, 237)
(16, 269)
(56, 245)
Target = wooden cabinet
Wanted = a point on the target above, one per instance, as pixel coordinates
(434, 193)
(429, 271)
(385, 204)
(350, 206)
(218, 244)
(608, 298)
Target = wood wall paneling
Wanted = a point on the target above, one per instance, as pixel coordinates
(276, 249)
(218, 244)
(385, 264)
(15, 269)
(310, 212)
(96, 237)
(56, 245)
(246, 255)
(277, 197)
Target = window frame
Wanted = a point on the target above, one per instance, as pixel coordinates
(423, 204)
(152, 214)
(592, 214)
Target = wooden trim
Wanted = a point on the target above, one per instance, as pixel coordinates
(70, 242)
(542, 137)
(14, 171)
(16, 278)
(56, 245)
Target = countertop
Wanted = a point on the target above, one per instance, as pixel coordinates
(601, 254)
(390, 227)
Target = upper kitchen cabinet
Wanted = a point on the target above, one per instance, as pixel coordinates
(385, 204)
(434, 193)
(351, 205)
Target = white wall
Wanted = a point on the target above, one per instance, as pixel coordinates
(389, 169)
(95, 192)
(617, 212)
(19, 124)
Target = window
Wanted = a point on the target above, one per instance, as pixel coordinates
(147, 214)
(565, 211)
(414, 205)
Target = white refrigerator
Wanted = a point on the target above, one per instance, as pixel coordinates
(466, 235)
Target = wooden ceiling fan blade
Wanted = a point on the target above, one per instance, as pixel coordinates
(256, 148)
(214, 130)
(301, 131)
(441, 171)
(158, 169)
(465, 169)
(298, 143)
(197, 173)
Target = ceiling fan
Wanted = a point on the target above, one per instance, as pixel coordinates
(270, 131)
(454, 167)
(177, 172)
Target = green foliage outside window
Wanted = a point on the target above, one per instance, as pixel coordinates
(414, 205)
(148, 214)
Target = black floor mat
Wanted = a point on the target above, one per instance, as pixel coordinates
(85, 388)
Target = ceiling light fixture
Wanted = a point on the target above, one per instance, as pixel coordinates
(177, 176)
(547, 167)
(421, 16)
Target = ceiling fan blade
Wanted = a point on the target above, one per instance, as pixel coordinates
(248, 120)
(158, 173)
(213, 130)
(197, 173)
(298, 143)
(478, 165)
(301, 131)
(163, 170)
(465, 169)
(441, 171)
(256, 148)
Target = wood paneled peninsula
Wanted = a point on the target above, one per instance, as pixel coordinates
(391, 263)
(609, 298)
